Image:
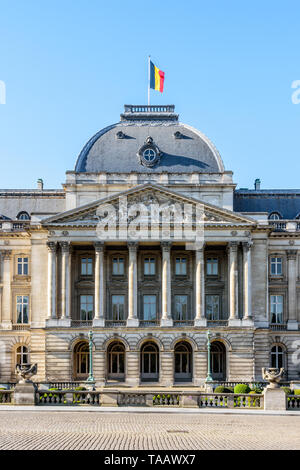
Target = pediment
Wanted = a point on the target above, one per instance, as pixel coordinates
(142, 202)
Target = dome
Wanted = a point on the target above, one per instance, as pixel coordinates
(149, 139)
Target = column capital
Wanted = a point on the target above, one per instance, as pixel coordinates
(65, 247)
(247, 245)
(132, 246)
(51, 247)
(291, 254)
(99, 247)
(166, 246)
(232, 246)
(6, 254)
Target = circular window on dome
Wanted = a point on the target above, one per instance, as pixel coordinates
(149, 155)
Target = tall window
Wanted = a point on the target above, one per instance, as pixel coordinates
(212, 307)
(118, 267)
(276, 266)
(86, 307)
(81, 357)
(276, 303)
(22, 266)
(86, 266)
(183, 362)
(149, 307)
(118, 307)
(180, 266)
(277, 357)
(116, 361)
(22, 356)
(149, 266)
(22, 308)
(180, 313)
(149, 362)
(212, 266)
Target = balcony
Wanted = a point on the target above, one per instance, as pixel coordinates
(183, 323)
(21, 326)
(212, 323)
(82, 323)
(278, 326)
(115, 323)
(149, 323)
(281, 225)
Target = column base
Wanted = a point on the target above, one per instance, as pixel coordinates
(132, 322)
(166, 322)
(51, 322)
(247, 322)
(64, 322)
(235, 322)
(292, 325)
(6, 325)
(99, 322)
(200, 322)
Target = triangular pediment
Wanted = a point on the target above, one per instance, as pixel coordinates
(144, 199)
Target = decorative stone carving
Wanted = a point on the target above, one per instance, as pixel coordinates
(51, 246)
(149, 154)
(24, 373)
(273, 375)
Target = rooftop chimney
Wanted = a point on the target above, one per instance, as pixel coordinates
(40, 184)
(257, 184)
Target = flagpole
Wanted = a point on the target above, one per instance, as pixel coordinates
(149, 81)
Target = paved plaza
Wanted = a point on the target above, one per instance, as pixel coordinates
(35, 430)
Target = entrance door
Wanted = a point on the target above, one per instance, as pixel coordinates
(149, 363)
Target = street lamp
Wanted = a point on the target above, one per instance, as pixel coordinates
(209, 377)
(91, 377)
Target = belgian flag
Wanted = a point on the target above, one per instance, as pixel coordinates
(157, 78)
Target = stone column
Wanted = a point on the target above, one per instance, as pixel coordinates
(52, 267)
(166, 317)
(200, 319)
(233, 285)
(132, 368)
(247, 283)
(292, 323)
(6, 322)
(65, 284)
(132, 319)
(99, 285)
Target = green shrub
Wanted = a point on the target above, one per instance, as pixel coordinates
(80, 389)
(242, 388)
(297, 391)
(287, 390)
(222, 389)
(256, 390)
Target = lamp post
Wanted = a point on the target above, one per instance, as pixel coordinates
(209, 377)
(91, 377)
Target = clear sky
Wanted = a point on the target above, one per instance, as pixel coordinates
(69, 66)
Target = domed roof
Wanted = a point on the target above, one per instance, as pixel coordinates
(149, 139)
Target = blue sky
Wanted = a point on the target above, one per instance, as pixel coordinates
(70, 66)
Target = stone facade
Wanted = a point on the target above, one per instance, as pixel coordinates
(148, 300)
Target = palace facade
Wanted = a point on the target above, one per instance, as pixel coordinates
(149, 245)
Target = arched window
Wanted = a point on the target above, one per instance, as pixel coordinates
(274, 216)
(23, 216)
(218, 360)
(149, 363)
(277, 356)
(116, 361)
(81, 360)
(183, 362)
(22, 356)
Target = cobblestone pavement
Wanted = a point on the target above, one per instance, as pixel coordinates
(116, 431)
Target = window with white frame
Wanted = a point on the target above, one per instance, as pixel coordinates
(149, 266)
(274, 216)
(180, 266)
(181, 311)
(276, 309)
(118, 307)
(22, 309)
(22, 266)
(276, 265)
(22, 356)
(86, 266)
(212, 307)
(149, 307)
(212, 266)
(86, 307)
(277, 357)
(118, 266)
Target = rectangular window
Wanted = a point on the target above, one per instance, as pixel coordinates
(149, 266)
(22, 308)
(180, 266)
(22, 266)
(276, 266)
(149, 307)
(276, 304)
(212, 266)
(118, 266)
(86, 307)
(86, 266)
(118, 307)
(180, 308)
(212, 307)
